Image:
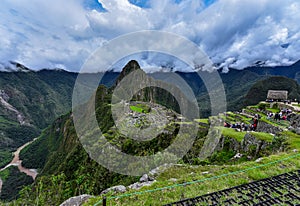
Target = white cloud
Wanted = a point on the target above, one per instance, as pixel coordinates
(233, 33)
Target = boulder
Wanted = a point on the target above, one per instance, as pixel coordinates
(76, 201)
(118, 188)
(146, 178)
(238, 156)
(138, 185)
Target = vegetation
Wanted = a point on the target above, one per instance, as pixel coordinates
(232, 133)
(13, 181)
(141, 108)
(66, 170)
(205, 179)
(259, 90)
(5, 157)
(263, 136)
(204, 121)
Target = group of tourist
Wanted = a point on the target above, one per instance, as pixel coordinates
(242, 126)
(282, 115)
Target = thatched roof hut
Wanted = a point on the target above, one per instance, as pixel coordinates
(277, 94)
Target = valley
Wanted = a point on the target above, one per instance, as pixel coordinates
(65, 169)
(16, 162)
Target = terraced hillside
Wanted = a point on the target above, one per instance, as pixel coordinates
(66, 170)
(240, 157)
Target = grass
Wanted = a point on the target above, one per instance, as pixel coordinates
(205, 121)
(191, 181)
(281, 124)
(140, 108)
(136, 109)
(263, 136)
(230, 132)
(292, 139)
(217, 178)
(184, 123)
(273, 110)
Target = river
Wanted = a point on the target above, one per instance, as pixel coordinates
(17, 163)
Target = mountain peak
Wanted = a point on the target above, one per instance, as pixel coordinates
(131, 66)
(13, 66)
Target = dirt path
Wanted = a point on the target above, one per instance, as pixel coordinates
(17, 163)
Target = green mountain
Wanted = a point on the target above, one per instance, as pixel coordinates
(258, 92)
(58, 152)
(66, 170)
(30, 101)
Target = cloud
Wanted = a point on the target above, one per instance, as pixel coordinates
(234, 34)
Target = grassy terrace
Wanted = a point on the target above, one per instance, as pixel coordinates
(217, 178)
(263, 136)
(292, 139)
(239, 136)
(186, 181)
(232, 133)
(140, 108)
(204, 121)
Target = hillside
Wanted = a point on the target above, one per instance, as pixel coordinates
(258, 92)
(238, 158)
(64, 164)
(29, 102)
(58, 153)
(32, 100)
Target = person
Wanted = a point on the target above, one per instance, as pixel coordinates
(277, 117)
(226, 124)
(255, 124)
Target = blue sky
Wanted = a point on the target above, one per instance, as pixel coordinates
(233, 33)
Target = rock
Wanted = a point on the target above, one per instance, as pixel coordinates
(251, 143)
(295, 150)
(232, 143)
(158, 170)
(295, 123)
(144, 178)
(76, 201)
(204, 173)
(173, 180)
(118, 188)
(259, 159)
(238, 156)
(267, 128)
(138, 185)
